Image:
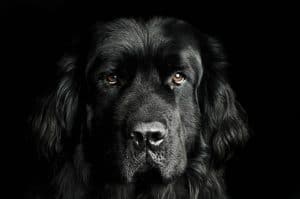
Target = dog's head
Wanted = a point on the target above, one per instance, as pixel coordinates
(143, 99)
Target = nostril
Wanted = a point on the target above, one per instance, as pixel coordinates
(153, 133)
(156, 138)
(137, 137)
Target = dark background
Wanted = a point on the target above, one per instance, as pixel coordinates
(260, 41)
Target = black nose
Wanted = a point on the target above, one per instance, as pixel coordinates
(148, 133)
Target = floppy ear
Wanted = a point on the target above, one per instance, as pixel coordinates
(54, 118)
(224, 120)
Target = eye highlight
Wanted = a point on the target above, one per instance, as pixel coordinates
(178, 78)
(111, 79)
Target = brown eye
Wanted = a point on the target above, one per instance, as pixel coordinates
(178, 78)
(111, 79)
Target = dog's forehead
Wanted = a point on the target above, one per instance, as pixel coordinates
(156, 36)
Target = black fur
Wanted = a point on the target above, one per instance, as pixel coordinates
(82, 125)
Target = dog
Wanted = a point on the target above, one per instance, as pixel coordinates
(141, 109)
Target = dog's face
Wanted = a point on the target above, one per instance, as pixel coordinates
(144, 100)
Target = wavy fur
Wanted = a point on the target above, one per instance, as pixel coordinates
(60, 125)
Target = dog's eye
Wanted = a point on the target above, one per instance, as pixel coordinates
(111, 79)
(178, 78)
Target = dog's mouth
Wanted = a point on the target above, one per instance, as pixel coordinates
(149, 171)
(148, 174)
(147, 166)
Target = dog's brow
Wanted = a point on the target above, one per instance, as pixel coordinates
(191, 56)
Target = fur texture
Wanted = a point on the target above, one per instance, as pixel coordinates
(120, 74)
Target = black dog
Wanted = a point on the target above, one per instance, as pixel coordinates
(141, 110)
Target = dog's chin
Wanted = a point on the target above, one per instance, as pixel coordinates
(153, 167)
(149, 174)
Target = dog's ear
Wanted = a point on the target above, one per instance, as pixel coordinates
(62, 111)
(54, 118)
(224, 120)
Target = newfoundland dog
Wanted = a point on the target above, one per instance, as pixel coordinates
(141, 109)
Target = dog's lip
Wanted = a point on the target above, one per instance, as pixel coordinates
(148, 157)
(155, 159)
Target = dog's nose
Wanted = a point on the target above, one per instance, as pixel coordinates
(148, 133)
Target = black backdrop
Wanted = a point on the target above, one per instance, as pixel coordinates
(259, 40)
